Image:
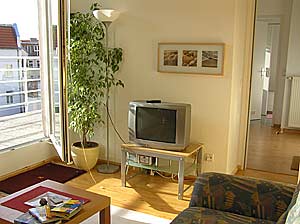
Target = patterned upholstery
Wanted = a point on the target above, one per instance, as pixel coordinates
(245, 196)
(294, 199)
(283, 217)
(292, 214)
(220, 197)
(197, 215)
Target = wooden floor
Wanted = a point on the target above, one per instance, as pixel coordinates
(148, 194)
(269, 151)
(268, 176)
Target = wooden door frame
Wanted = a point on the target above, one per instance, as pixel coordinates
(245, 113)
(245, 110)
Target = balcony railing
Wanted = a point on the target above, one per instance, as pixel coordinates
(20, 101)
(20, 129)
(20, 90)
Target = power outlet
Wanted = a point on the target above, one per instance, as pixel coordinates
(209, 157)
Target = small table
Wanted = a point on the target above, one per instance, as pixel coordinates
(191, 151)
(97, 203)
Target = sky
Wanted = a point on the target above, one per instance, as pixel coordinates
(22, 12)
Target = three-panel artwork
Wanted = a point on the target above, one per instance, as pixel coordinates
(191, 58)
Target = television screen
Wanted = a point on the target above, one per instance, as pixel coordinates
(156, 124)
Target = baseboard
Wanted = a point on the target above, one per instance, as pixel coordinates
(286, 130)
(56, 159)
(27, 168)
(291, 131)
(237, 169)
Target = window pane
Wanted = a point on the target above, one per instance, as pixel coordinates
(55, 72)
(20, 92)
(53, 75)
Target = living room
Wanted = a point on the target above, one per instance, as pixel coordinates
(219, 104)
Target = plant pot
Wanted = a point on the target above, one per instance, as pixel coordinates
(85, 158)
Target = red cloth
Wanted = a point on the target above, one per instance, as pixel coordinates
(50, 171)
(17, 203)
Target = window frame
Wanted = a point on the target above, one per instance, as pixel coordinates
(46, 76)
(61, 145)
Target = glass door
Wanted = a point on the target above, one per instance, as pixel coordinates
(54, 30)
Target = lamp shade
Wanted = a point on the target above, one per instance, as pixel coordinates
(106, 15)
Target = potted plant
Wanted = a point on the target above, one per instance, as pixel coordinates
(88, 81)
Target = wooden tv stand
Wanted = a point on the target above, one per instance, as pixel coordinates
(191, 151)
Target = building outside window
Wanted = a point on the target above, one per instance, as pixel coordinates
(7, 72)
(30, 64)
(36, 49)
(21, 99)
(10, 98)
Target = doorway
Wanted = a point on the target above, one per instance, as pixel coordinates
(268, 148)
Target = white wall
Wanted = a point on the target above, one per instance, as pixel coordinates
(11, 161)
(293, 55)
(270, 7)
(274, 56)
(140, 27)
(293, 65)
(270, 104)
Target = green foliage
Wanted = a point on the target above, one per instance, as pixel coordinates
(87, 76)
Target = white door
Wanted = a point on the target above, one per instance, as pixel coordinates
(53, 28)
(258, 68)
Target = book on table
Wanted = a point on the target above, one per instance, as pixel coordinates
(26, 218)
(63, 211)
(58, 208)
(67, 209)
(41, 214)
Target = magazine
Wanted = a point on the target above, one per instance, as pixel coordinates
(26, 218)
(67, 209)
(40, 213)
(53, 199)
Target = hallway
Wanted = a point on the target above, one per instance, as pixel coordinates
(271, 152)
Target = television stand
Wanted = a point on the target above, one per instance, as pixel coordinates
(193, 151)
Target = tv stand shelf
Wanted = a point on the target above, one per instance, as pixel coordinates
(193, 151)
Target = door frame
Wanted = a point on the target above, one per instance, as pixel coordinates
(246, 100)
(246, 84)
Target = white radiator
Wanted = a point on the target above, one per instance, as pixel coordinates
(294, 113)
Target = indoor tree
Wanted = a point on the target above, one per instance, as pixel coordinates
(88, 78)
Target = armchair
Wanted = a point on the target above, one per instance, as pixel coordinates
(231, 199)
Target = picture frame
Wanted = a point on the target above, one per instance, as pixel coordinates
(191, 58)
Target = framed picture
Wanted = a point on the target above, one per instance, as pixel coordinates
(197, 58)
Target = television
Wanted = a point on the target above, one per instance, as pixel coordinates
(161, 125)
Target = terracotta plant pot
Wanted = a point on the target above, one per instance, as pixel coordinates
(85, 158)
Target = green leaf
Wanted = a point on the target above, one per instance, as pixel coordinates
(87, 77)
